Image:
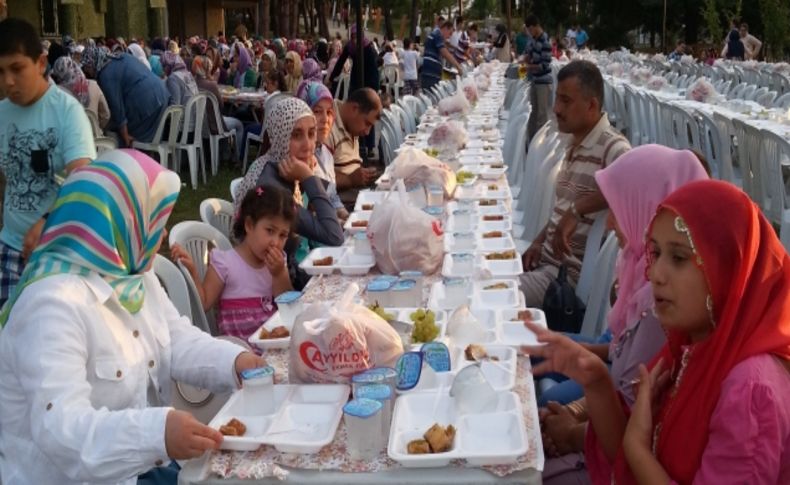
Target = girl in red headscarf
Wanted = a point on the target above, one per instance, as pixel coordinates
(713, 408)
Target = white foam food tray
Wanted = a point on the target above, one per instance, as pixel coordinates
(496, 437)
(454, 242)
(499, 208)
(369, 197)
(499, 268)
(480, 143)
(438, 300)
(355, 217)
(484, 296)
(503, 328)
(482, 152)
(479, 223)
(467, 159)
(320, 253)
(346, 261)
(493, 173)
(303, 418)
(273, 322)
(484, 190)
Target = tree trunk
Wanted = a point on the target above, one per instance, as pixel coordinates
(294, 28)
(264, 9)
(414, 15)
(388, 32)
(323, 24)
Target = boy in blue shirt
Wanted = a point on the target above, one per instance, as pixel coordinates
(44, 133)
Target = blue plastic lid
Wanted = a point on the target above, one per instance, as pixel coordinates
(434, 211)
(367, 377)
(387, 372)
(379, 392)
(362, 408)
(454, 281)
(404, 285)
(462, 256)
(257, 373)
(436, 189)
(378, 286)
(409, 369)
(461, 212)
(360, 235)
(463, 235)
(411, 274)
(436, 355)
(288, 297)
(386, 277)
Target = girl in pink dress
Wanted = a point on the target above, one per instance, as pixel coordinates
(245, 280)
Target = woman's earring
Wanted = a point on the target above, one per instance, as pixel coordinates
(709, 306)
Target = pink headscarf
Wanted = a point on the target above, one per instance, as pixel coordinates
(634, 186)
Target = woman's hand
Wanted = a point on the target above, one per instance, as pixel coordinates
(565, 356)
(639, 431)
(186, 437)
(248, 360)
(274, 260)
(294, 170)
(558, 427)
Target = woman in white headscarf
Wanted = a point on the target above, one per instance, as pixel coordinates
(289, 137)
(139, 54)
(69, 76)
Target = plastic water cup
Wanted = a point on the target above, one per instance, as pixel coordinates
(290, 306)
(366, 378)
(435, 196)
(462, 219)
(418, 277)
(456, 291)
(405, 294)
(362, 244)
(383, 394)
(258, 384)
(472, 391)
(377, 292)
(390, 377)
(463, 263)
(464, 241)
(363, 427)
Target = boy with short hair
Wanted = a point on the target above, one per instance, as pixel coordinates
(44, 132)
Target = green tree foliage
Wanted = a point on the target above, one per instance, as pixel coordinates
(713, 25)
(776, 16)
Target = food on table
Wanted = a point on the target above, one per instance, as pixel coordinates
(475, 352)
(418, 447)
(497, 165)
(379, 310)
(327, 261)
(487, 202)
(464, 176)
(493, 187)
(367, 207)
(276, 332)
(440, 438)
(497, 286)
(425, 328)
(233, 428)
(494, 217)
(492, 234)
(523, 316)
(360, 223)
(431, 152)
(489, 148)
(501, 256)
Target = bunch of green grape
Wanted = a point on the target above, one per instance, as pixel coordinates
(379, 310)
(425, 328)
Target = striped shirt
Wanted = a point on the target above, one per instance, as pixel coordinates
(343, 146)
(602, 146)
(539, 53)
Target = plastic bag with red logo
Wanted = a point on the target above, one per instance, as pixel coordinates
(404, 237)
(330, 342)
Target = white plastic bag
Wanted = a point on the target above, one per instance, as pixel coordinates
(455, 104)
(403, 237)
(415, 167)
(448, 136)
(469, 88)
(330, 342)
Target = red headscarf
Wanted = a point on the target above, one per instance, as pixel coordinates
(748, 275)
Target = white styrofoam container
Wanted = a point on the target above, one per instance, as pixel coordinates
(500, 268)
(509, 332)
(320, 253)
(437, 298)
(502, 443)
(369, 197)
(355, 264)
(357, 216)
(498, 298)
(305, 418)
(272, 343)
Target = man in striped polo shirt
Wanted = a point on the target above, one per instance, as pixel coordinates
(594, 144)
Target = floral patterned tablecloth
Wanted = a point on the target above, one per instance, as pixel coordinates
(258, 464)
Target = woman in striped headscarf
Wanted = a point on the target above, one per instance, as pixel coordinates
(88, 399)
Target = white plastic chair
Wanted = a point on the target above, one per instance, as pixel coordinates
(597, 302)
(343, 85)
(594, 239)
(775, 156)
(748, 138)
(251, 137)
(766, 99)
(687, 134)
(173, 282)
(222, 134)
(95, 126)
(406, 121)
(234, 185)
(391, 80)
(104, 144)
(783, 101)
(218, 213)
(164, 144)
(197, 237)
(194, 114)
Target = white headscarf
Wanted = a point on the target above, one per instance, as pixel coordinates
(139, 54)
(278, 125)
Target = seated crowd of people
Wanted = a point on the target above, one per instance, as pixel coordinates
(688, 384)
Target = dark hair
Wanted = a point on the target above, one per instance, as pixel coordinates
(532, 20)
(702, 160)
(406, 43)
(263, 201)
(745, 26)
(277, 76)
(459, 20)
(447, 24)
(366, 99)
(17, 36)
(472, 26)
(589, 77)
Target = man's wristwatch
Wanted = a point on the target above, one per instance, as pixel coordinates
(575, 212)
